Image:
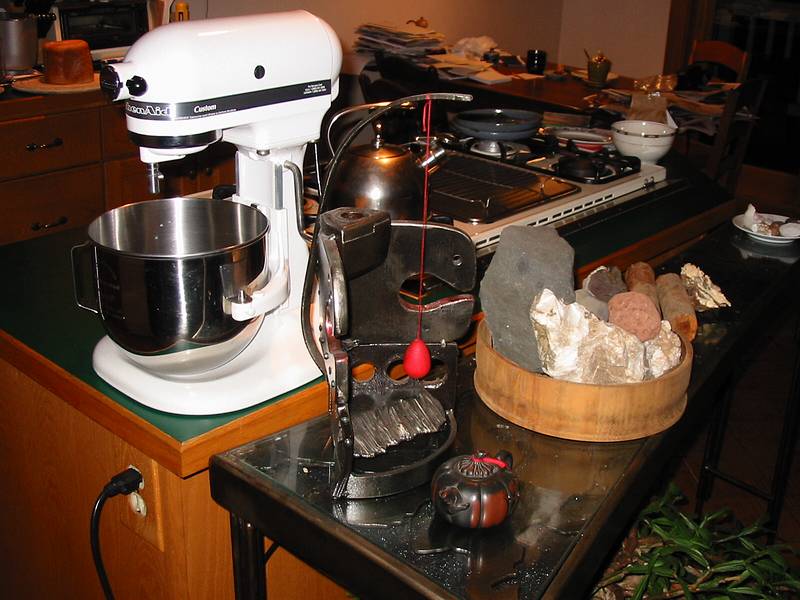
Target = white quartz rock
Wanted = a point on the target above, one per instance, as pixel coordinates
(749, 217)
(575, 345)
(790, 229)
(705, 294)
(662, 353)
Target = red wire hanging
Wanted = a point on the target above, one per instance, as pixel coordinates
(426, 128)
(417, 359)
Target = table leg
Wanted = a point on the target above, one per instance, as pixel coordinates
(249, 562)
(713, 448)
(791, 420)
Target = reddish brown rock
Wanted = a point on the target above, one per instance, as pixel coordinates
(634, 312)
(676, 306)
(639, 277)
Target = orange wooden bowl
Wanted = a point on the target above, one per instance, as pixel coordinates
(579, 411)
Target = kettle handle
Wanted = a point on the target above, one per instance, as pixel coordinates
(407, 102)
(84, 278)
(347, 111)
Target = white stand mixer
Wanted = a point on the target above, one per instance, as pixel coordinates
(263, 83)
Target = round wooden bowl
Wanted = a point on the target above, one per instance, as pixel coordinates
(579, 411)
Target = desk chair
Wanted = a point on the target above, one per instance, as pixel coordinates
(716, 54)
(739, 117)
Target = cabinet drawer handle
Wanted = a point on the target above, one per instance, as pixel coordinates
(62, 220)
(54, 144)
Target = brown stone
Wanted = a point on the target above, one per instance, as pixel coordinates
(635, 313)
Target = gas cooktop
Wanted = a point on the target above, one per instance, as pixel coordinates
(486, 185)
(474, 190)
(586, 200)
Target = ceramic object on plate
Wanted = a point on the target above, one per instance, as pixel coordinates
(738, 222)
(647, 140)
(591, 140)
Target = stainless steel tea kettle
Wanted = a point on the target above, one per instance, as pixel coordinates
(380, 175)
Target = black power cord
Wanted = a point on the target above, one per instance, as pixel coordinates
(126, 482)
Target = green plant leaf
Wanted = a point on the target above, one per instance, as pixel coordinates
(638, 594)
(747, 591)
(729, 566)
(707, 558)
(757, 575)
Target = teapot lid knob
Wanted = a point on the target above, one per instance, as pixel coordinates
(377, 143)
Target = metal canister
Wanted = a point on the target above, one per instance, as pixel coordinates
(19, 44)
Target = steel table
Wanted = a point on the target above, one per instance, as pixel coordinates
(578, 499)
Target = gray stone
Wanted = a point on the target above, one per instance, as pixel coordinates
(597, 307)
(604, 282)
(527, 260)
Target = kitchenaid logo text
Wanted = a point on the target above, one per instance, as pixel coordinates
(154, 111)
(208, 107)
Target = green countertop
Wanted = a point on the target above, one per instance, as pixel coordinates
(39, 308)
(41, 313)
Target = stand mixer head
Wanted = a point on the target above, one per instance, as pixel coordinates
(188, 85)
(193, 83)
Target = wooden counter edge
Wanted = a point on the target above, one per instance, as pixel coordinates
(183, 459)
(658, 248)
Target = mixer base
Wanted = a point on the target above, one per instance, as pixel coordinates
(275, 362)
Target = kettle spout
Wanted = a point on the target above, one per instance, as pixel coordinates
(434, 156)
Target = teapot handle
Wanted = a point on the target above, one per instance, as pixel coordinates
(506, 457)
(406, 103)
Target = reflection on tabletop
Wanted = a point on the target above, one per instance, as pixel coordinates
(562, 485)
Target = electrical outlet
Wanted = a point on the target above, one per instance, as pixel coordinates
(143, 511)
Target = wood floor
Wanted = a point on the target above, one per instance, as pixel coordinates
(756, 418)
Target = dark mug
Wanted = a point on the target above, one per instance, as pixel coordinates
(536, 61)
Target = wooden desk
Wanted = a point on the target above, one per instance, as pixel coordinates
(569, 94)
(564, 95)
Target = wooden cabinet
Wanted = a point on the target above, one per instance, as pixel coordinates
(49, 142)
(60, 442)
(41, 204)
(50, 172)
(47, 139)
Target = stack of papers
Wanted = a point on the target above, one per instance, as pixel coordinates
(408, 40)
(490, 77)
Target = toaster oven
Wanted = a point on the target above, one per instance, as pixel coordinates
(109, 27)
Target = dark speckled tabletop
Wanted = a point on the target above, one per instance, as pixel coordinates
(577, 498)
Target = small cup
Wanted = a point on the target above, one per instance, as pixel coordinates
(536, 61)
(598, 72)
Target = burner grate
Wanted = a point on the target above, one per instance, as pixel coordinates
(478, 190)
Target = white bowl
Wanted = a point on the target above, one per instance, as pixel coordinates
(648, 140)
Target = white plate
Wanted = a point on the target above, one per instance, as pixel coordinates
(769, 239)
(584, 138)
(584, 74)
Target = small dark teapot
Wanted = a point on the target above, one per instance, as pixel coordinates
(475, 491)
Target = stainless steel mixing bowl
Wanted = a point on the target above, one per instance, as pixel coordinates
(161, 275)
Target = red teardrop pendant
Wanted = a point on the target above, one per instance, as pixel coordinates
(417, 359)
